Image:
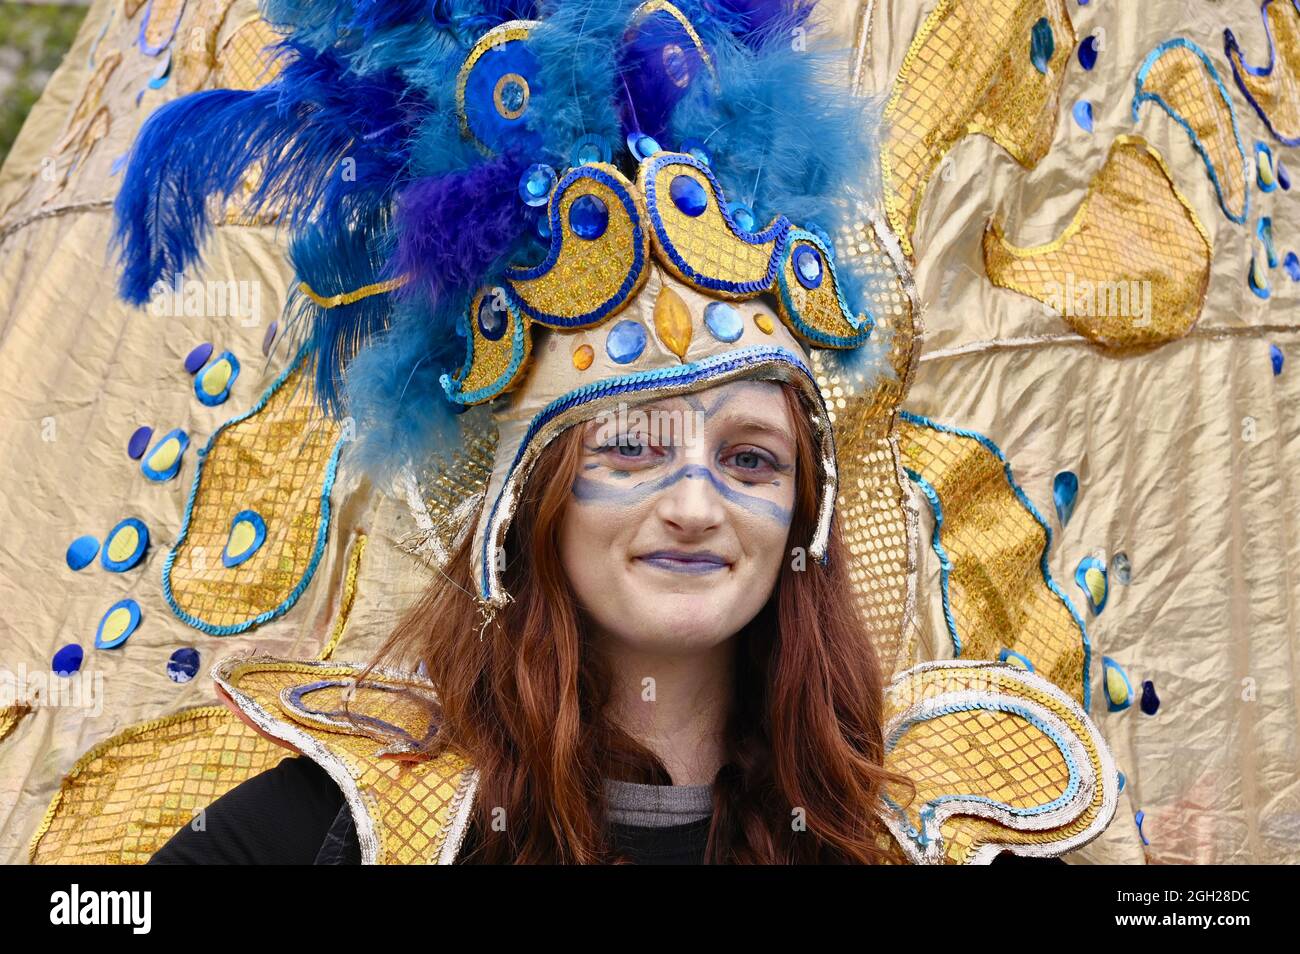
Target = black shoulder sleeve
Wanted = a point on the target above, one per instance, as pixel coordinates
(279, 817)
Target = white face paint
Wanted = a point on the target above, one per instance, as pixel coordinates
(679, 516)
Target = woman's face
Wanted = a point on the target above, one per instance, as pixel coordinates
(678, 519)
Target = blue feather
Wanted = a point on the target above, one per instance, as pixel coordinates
(325, 144)
(332, 262)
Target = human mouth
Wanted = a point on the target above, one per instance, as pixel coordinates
(678, 561)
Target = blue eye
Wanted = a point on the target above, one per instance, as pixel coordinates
(753, 462)
(628, 447)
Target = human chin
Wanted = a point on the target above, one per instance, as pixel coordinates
(685, 608)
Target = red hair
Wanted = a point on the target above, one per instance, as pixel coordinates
(525, 703)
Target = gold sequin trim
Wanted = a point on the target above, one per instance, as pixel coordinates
(347, 599)
(349, 298)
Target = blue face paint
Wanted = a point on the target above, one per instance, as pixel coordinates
(592, 492)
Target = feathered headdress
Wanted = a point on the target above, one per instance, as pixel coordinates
(462, 179)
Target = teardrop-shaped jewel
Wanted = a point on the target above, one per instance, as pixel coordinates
(673, 322)
(1065, 491)
(1091, 578)
(1116, 685)
(1150, 701)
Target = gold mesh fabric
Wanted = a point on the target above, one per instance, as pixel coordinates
(967, 71)
(1276, 95)
(127, 796)
(588, 274)
(705, 242)
(1134, 234)
(1180, 78)
(163, 15)
(245, 60)
(449, 491)
(998, 596)
(413, 806)
(90, 99)
(276, 462)
(999, 755)
(194, 53)
(10, 716)
(875, 521)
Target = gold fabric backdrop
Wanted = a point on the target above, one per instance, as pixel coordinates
(1180, 433)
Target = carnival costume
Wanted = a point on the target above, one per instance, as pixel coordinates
(508, 218)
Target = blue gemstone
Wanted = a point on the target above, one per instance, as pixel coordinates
(536, 183)
(1283, 177)
(67, 660)
(1121, 568)
(641, 146)
(139, 442)
(1088, 53)
(1122, 781)
(1042, 45)
(590, 148)
(625, 341)
(512, 97)
(183, 665)
(588, 217)
(696, 148)
(1065, 489)
(1274, 353)
(743, 216)
(808, 266)
(689, 196)
(723, 321)
(1083, 115)
(492, 321)
(544, 227)
(198, 357)
(1150, 701)
(83, 550)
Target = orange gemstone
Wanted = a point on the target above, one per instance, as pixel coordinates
(583, 355)
(764, 323)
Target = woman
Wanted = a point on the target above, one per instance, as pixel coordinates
(646, 647)
(663, 635)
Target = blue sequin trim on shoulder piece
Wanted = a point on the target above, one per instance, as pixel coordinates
(1142, 95)
(1028, 505)
(927, 812)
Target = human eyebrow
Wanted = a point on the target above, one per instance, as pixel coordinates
(755, 425)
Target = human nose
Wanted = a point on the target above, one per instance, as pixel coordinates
(693, 504)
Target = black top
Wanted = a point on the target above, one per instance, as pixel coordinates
(294, 814)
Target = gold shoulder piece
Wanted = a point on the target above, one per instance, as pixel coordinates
(366, 735)
(1002, 760)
